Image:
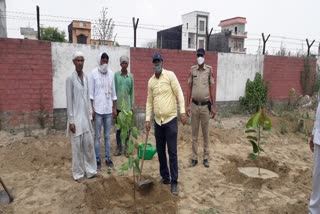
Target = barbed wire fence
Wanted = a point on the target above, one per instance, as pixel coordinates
(276, 45)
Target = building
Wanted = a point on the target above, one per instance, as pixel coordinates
(235, 28)
(170, 38)
(3, 20)
(194, 26)
(79, 32)
(191, 35)
(29, 33)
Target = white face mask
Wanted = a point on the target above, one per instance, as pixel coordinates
(200, 60)
(103, 68)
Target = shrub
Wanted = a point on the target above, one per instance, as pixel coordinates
(255, 95)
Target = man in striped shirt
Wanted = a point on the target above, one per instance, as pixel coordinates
(163, 92)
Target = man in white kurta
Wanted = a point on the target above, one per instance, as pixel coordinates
(79, 122)
(314, 205)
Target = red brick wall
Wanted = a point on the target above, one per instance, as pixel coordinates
(26, 81)
(175, 60)
(284, 73)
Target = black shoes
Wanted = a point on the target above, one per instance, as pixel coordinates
(194, 163)
(174, 188)
(206, 163)
(109, 163)
(98, 165)
(165, 181)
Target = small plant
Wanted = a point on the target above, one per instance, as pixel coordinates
(254, 127)
(129, 134)
(255, 95)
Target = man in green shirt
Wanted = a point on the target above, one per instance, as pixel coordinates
(125, 93)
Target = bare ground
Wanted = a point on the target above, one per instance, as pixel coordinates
(37, 170)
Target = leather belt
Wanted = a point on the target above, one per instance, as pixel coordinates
(201, 103)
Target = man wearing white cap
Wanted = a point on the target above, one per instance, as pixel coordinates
(125, 95)
(79, 124)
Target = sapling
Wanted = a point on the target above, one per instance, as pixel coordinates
(254, 128)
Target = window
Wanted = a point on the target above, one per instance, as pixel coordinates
(201, 26)
(189, 42)
(187, 26)
(235, 30)
(201, 43)
(81, 39)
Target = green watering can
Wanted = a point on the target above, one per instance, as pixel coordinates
(150, 151)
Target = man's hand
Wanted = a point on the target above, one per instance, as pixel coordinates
(114, 112)
(188, 111)
(311, 144)
(148, 126)
(213, 112)
(183, 118)
(72, 128)
(93, 113)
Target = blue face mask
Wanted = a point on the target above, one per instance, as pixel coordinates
(157, 68)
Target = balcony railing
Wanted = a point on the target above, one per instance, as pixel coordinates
(239, 34)
(238, 50)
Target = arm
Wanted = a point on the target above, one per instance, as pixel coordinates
(212, 95)
(149, 106)
(179, 95)
(189, 94)
(91, 92)
(70, 110)
(114, 99)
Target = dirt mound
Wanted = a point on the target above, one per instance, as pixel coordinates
(116, 194)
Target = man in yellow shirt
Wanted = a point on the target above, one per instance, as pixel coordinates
(163, 92)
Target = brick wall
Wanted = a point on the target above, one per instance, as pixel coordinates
(284, 73)
(175, 60)
(25, 83)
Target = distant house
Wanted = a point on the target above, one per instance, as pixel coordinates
(3, 21)
(29, 33)
(235, 29)
(79, 32)
(191, 35)
(188, 36)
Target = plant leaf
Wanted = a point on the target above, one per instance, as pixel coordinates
(130, 147)
(136, 169)
(134, 132)
(254, 120)
(131, 162)
(252, 138)
(124, 166)
(255, 147)
(252, 156)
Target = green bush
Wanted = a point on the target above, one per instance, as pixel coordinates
(255, 95)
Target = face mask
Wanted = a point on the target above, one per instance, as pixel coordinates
(103, 68)
(157, 68)
(200, 60)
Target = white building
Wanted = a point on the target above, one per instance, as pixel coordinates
(194, 25)
(29, 33)
(3, 21)
(238, 35)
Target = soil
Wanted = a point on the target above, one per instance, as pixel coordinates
(37, 171)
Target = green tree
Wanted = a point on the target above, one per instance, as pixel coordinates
(52, 34)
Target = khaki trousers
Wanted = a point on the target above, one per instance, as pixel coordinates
(200, 115)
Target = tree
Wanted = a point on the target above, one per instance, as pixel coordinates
(151, 44)
(52, 34)
(103, 29)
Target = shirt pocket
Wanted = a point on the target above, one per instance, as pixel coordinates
(204, 79)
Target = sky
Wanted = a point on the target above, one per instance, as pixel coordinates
(289, 22)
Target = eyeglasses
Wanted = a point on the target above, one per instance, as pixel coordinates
(199, 55)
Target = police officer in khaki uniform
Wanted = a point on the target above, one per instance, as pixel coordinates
(201, 105)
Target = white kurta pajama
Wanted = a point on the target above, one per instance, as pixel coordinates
(79, 113)
(314, 205)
